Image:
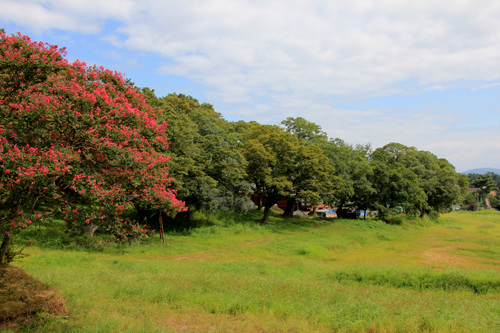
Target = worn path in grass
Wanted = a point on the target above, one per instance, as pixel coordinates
(458, 241)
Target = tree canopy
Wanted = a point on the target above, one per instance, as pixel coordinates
(270, 154)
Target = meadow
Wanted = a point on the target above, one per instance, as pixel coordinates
(291, 275)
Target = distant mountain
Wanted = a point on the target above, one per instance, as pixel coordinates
(482, 171)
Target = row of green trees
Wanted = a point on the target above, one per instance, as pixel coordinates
(216, 164)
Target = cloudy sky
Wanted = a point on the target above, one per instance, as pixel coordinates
(421, 73)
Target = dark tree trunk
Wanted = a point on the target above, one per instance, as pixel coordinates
(265, 218)
(341, 204)
(267, 209)
(160, 222)
(259, 202)
(4, 248)
(270, 201)
(290, 207)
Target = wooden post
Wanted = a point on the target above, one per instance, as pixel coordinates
(162, 235)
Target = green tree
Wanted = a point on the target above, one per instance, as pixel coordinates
(270, 153)
(312, 177)
(395, 186)
(352, 166)
(437, 178)
(305, 131)
(207, 166)
(464, 183)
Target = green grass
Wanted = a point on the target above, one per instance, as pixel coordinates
(292, 275)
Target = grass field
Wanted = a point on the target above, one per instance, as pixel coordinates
(293, 275)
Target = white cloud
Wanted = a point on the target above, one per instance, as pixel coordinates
(325, 47)
(318, 47)
(487, 86)
(468, 149)
(76, 15)
(267, 60)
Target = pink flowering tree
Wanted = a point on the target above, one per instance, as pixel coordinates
(76, 141)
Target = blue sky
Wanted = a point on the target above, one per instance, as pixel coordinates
(421, 73)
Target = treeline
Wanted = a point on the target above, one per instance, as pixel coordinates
(216, 164)
(81, 143)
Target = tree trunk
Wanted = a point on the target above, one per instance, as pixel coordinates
(270, 202)
(265, 218)
(341, 204)
(4, 248)
(290, 207)
(267, 209)
(160, 221)
(89, 229)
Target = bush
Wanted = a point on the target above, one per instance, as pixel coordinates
(472, 207)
